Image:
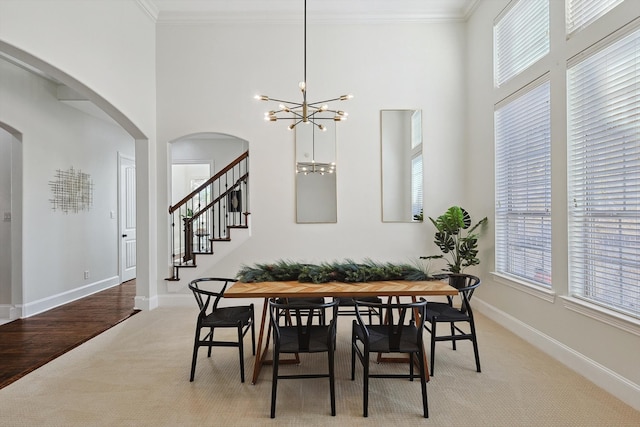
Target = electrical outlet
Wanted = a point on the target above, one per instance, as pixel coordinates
(86, 274)
(7, 216)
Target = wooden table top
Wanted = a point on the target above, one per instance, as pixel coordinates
(339, 289)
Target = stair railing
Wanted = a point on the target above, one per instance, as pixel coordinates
(207, 214)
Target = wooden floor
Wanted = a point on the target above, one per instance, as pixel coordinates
(27, 344)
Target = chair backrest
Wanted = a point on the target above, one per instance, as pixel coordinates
(203, 296)
(398, 316)
(466, 286)
(299, 316)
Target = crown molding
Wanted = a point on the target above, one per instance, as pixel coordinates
(169, 12)
(150, 8)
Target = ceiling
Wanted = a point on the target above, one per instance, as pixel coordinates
(176, 11)
(277, 11)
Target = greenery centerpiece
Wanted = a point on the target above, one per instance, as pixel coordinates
(457, 239)
(345, 271)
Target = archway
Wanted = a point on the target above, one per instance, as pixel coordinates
(146, 282)
(11, 225)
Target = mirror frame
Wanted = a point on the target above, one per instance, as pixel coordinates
(396, 182)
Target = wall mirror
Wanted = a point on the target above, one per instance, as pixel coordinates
(401, 145)
(316, 174)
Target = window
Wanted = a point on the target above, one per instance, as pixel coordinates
(521, 37)
(604, 175)
(581, 13)
(523, 185)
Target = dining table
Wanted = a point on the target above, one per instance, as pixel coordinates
(295, 289)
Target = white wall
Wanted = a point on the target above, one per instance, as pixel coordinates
(59, 247)
(107, 45)
(598, 350)
(210, 87)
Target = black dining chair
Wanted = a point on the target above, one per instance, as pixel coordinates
(346, 307)
(401, 333)
(294, 332)
(212, 317)
(455, 311)
(306, 300)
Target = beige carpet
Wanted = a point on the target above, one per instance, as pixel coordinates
(137, 374)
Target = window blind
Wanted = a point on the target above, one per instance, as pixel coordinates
(580, 13)
(523, 185)
(521, 37)
(604, 175)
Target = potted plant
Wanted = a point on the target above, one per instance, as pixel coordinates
(457, 240)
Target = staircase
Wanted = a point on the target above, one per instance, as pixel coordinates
(208, 214)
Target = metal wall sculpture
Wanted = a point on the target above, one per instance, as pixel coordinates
(72, 191)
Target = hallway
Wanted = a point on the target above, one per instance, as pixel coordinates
(27, 344)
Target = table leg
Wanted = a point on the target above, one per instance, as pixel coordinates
(257, 365)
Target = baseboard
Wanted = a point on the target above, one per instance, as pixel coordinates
(9, 312)
(44, 304)
(603, 377)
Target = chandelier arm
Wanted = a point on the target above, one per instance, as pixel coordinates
(293, 116)
(325, 101)
(297, 104)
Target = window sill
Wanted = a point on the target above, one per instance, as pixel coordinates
(520, 285)
(602, 314)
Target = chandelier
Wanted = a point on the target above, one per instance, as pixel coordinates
(305, 112)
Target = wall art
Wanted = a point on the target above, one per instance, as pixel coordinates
(72, 191)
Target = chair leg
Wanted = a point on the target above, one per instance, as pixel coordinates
(365, 384)
(474, 340)
(453, 332)
(211, 341)
(423, 385)
(241, 351)
(353, 355)
(253, 332)
(195, 355)
(433, 346)
(332, 381)
(274, 385)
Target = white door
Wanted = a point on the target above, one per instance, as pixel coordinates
(127, 218)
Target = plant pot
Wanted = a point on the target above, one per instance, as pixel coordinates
(457, 280)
